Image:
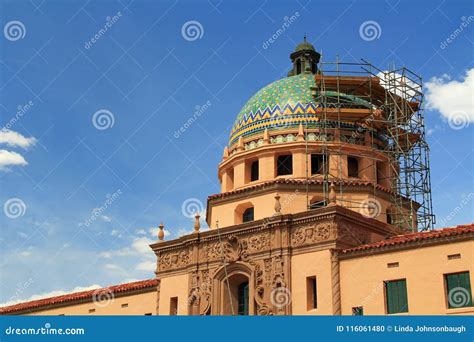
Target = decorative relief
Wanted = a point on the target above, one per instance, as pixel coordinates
(194, 295)
(268, 270)
(199, 298)
(169, 260)
(233, 248)
(229, 250)
(279, 283)
(258, 242)
(312, 233)
(205, 292)
(262, 306)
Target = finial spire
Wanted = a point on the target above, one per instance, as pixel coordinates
(161, 233)
(277, 205)
(332, 194)
(197, 223)
(305, 37)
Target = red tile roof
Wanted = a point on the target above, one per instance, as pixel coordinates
(83, 295)
(414, 237)
(292, 181)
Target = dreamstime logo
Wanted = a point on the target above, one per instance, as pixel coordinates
(199, 110)
(287, 21)
(370, 30)
(21, 288)
(191, 206)
(103, 297)
(370, 207)
(14, 208)
(192, 30)
(109, 22)
(465, 21)
(103, 119)
(459, 297)
(21, 111)
(464, 202)
(280, 297)
(14, 30)
(458, 120)
(98, 212)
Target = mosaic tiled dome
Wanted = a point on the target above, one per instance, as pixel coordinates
(283, 103)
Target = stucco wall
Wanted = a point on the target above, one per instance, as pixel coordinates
(307, 265)
(423, 267)
(174, 286)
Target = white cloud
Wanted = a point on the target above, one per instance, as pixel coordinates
(116, 233)
(12, 138)
(26, 252)
(106, 218)
(148, 266)
(112, 267)
(23, 235)
(141, 245)
(9, 158)
(398, 84)
(49, 294)
(452, 98)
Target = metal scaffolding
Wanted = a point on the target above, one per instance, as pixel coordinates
(382, 109)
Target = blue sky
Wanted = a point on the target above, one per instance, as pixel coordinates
(57, 167)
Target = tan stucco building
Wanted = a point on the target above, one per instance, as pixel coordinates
(325, 209)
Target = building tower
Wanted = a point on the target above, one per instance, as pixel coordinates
(328, 158)
(319, 132)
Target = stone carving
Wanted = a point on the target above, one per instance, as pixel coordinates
(193, 297)
(279, 283)
(268, 270)
(258, 242)
(169, 260)
(199, 298)
(230, 250)
(312, 233)
(262, 306)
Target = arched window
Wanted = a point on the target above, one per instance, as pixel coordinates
(298, 66)
(232, 293)
(244, 212)
(247, 216)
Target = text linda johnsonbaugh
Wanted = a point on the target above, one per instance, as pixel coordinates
(401, 329)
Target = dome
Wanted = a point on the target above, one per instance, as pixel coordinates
(283, 103)
(305, 46)
(287, 103)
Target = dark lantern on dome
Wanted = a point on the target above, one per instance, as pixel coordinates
(305, 59)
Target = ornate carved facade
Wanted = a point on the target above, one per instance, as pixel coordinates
(260, 251)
